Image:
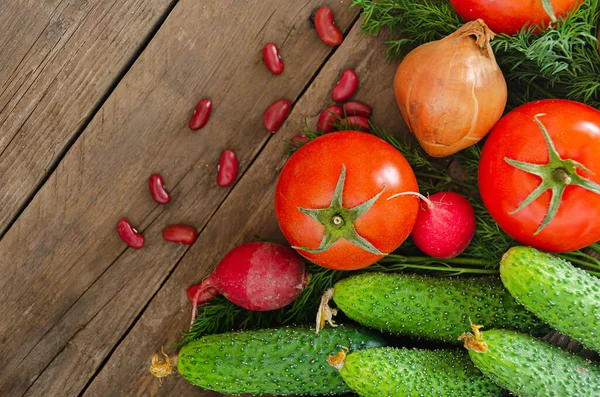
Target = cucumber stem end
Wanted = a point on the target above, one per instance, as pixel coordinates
(474, 341)
(160, 368)
(337, 360)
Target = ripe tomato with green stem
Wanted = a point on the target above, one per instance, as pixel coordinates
(509, 16)
(332, 201)
(539, 175)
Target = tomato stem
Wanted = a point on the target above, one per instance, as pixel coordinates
(339, 221)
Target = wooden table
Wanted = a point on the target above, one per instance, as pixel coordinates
(95, 96)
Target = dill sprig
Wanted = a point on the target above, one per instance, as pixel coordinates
(561, 61)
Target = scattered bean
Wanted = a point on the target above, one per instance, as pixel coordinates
(297, 142)
(346, 87)
(276, 114)
(355, 123)
(326, 29)
(129, 235)
(157, 189)
(272, 58)
(355, 108)
(228, 168)
(328, 117)
(180, 234)
(201, 114)
(299, 139)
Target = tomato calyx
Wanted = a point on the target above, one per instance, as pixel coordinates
(556, 176)
(339, 221)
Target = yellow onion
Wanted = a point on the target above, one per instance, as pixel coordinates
(451, 92)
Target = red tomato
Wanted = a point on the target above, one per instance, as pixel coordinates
(574, 130)
(509, 16)
(358, 169)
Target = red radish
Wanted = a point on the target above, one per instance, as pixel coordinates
(445, 224)
(256, 276)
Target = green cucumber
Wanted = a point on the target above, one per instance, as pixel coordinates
(413, 372)
(426, 307)
(277, 361)
(527, 366)
(564, 296)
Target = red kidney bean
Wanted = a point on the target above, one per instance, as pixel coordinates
(276, 114)
(180, 234)
(228, 168)
(326, 29)
(157, 189)
(272, 58)
(129, 235)
(346, 87)
(355, 122)
(299, 139)
(328, 117)
(355, 108)
(201, 114)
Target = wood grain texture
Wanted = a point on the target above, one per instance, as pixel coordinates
(72, 289)
(59, 59)
(246, 215)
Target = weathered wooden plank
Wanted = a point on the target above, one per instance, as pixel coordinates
(246, 215)
(59, 59)
(72, 290)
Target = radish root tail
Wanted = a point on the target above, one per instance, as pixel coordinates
(195, 301)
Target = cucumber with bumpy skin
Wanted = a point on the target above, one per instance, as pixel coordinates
(557, 292)
(276, 361)
(530, 367)
(426, 307)
(413, 372)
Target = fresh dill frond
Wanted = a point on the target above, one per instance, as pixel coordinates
(410, 22)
